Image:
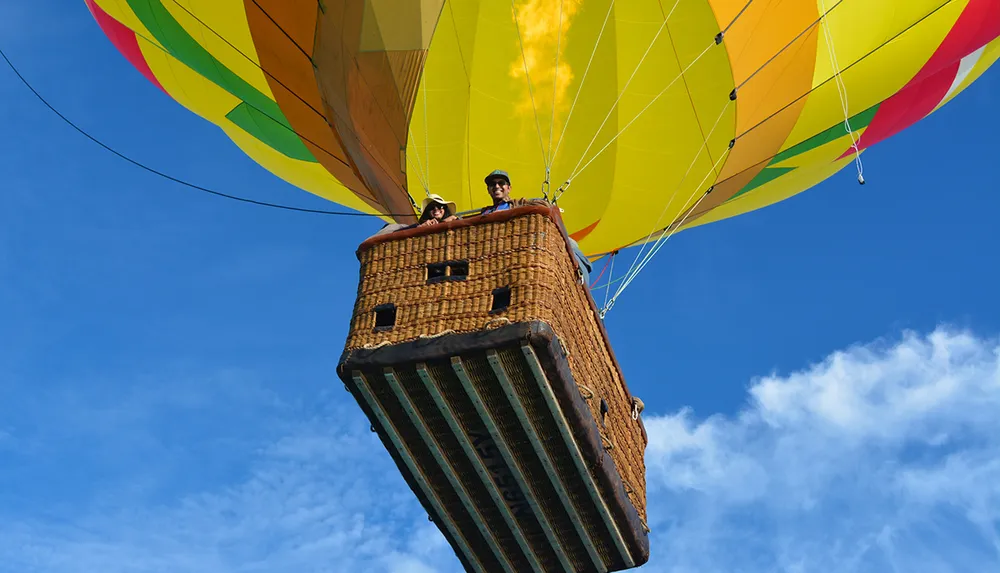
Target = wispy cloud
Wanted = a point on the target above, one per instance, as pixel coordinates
(882, 458)
(317, 495)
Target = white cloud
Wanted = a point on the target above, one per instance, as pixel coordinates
(881, 458)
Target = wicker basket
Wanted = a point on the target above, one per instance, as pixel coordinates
(502, 298)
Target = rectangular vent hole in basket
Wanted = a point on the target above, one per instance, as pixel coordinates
(385, 316)
(501, 300)
(436, 271)
(447, 271)
(459, 270)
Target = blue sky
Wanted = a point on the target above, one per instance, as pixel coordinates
(821, 377)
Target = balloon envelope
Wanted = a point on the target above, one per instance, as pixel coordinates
(631, 111)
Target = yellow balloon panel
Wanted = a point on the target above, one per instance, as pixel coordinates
(221, 28)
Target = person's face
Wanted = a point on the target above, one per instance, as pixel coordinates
(437, 211)
(498, 188)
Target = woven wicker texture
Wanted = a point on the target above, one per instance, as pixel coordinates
(527, 253)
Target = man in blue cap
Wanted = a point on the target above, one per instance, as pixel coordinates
(498, 186)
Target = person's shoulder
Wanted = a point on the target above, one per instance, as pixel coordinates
(543, 202)
(523, 202)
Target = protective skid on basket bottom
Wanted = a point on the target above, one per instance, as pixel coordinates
(493, 436)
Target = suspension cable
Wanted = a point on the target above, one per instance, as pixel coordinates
(562, 189)
(172, 178)
(604, 269)
(722, 34)
(842, 92)
(673, 195)
(671, 229)
(421, 176)
(611, 276)
(782, 50)
(378, 163)
(259, 66)
(427, 141)
(832, 78)
(661, 240)
(621, 93)
(555, 92)
(583, 80)
(468, 81)
(527, 76)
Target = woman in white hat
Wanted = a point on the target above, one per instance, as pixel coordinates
(435, 209)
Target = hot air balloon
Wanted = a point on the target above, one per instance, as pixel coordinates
(474, 348)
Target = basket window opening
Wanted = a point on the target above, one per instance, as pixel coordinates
(501, 300)
(385, 317)
(459, 269)
(447, 271)
(436, 271)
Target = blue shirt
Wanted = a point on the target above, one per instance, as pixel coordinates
(501, 207)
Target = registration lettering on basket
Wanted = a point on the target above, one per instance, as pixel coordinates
(501, 474)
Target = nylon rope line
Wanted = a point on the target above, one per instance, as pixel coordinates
(677, 188)
(604, 269)
(583, 79)
(420, 167)
(673, 195)
(549, 158)
(911, 26)
(842, 92)
(278, 26)
(527, 77)
(722, 34)
(458, 43)
(854, 63)
(608, 284)
(831, 78)
(577, 172)
(269, 74)
(166, 51)
(427, 144)
(169, 177)
(624, 89)
(422, 175)
(834, 77)
(594, 52)
(378, 163)
(611, 276)
(782, 50)
(163, 49)
(555, 90)
(468, 81)
(660, 241)
(674, 228)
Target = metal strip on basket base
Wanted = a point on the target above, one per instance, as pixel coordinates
(491, 432)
